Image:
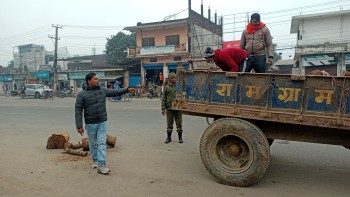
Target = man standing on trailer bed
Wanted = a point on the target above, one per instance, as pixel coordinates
(257, 41)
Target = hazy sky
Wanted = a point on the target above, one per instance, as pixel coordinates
(87, 23)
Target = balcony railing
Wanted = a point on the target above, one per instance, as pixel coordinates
(155, 50)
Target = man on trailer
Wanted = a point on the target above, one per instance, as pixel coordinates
(231, 59)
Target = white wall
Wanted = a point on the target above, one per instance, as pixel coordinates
(321, 30)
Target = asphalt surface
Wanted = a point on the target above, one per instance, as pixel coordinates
(141, 164)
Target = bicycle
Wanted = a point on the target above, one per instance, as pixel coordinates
(127, 97)
(48, 94)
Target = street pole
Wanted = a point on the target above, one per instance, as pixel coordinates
(55, 56)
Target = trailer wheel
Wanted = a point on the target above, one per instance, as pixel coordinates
(235, 152)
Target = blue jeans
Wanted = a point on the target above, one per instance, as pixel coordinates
(97, 134)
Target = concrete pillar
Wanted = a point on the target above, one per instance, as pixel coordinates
(126, 78)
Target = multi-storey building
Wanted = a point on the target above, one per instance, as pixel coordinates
(30, 57)
(161, 46)
(323, 42)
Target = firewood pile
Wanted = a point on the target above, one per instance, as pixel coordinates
(319, 72)
(60, 140)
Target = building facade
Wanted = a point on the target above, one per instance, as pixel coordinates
(31, 56)
(161, 46)
(323, 42)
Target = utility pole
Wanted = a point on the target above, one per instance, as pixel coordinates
(55, 56)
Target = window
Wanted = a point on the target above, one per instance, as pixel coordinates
(177, 58)
(172, 40)
(153, 59)
(148, 42)
(347, 61)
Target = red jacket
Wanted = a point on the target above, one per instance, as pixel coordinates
(229, 59)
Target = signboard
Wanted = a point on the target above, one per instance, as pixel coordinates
(62, 77)
(42, 75)
(5, 78)
(157, 49)
(81, 75)
(231, 44)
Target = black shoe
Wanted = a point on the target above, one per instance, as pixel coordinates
(180, 137)
(168, 139)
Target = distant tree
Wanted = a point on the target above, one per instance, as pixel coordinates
(117, 45)
(276, 56)
(11, 65)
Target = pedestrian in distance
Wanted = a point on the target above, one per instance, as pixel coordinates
(171, 115)
(257, 41)
(92, 102)
(230, 59)
(160, 78)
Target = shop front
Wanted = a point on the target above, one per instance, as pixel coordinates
(77, 79)
(42, 77)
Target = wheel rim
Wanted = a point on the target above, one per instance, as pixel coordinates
(234, 155)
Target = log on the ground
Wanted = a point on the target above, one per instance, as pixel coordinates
(57, 140)
(110, 141)
(85, 143)
(72, 146)
(76, 152)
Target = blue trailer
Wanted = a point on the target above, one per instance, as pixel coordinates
(251, 110)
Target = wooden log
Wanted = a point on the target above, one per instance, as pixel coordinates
(111, 140)
(57, 140)
(76, 152)
(72, 146)
(85, 143)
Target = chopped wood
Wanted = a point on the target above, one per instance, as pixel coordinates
(76, 152)
(72, 146)
(57, 140)
(110, 141)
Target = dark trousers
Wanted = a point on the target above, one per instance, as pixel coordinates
(258, 63)
(172, 115)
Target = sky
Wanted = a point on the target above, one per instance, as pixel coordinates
(87, 23)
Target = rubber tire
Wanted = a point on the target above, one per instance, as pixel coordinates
(37, 95)
(247, 133)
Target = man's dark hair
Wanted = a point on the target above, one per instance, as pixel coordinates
(255, 16)
(89, 76)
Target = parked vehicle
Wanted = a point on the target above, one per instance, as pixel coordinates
(250, 110)
(127, 97)
(35, 90)
(65, 93)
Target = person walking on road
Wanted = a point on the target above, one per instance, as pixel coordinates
(257, 41)
(171, 115)
(92, 101)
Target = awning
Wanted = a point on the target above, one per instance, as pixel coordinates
(152, 66)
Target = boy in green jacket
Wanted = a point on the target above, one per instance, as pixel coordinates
(171, 115)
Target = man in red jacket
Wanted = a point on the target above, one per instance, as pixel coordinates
(231, 59)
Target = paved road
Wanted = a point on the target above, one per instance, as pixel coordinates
(142, 165)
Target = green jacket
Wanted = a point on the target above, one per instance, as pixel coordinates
(168, 96)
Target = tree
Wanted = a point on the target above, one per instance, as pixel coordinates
(117, 45)
(276, 56)
(11, 64)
